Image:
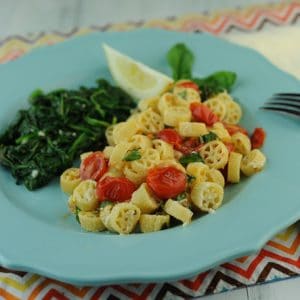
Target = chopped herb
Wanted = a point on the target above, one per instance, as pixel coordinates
(190, 178)
(183, 94)
(132, 155)
(105, 203)
(181, 60)
(209, 137)
(181, 196)
(57, 127)
(77, 210)
(189, 158)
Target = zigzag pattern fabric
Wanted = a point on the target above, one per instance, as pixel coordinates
(280, 257)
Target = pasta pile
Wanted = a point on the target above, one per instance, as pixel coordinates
(170, 160)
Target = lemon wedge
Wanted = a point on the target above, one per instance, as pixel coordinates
(137, 79)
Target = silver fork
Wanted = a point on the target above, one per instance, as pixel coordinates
(286, 103)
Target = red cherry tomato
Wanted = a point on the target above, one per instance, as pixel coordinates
(171, 136)
(115, 189)
(188, 84)
(166, 182)
(258, 138)
(202, 113)
(93, 166)
(189, 145)
(230, 147)
(232, 129)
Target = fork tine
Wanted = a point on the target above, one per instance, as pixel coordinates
(283, 104)
(286, 97)
(282, 110)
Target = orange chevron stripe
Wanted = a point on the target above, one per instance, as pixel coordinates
(79, 292)
(7, 295)
(242, 259)
(262, 254)
(98, 293)
(54, 294)
(133, 295)
(289, 250)
(194, 285)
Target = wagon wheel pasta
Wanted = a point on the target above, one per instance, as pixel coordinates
(163, 165)
(215, 154)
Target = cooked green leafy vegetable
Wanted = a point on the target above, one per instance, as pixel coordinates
(208, 137)
(77, 211)
(132, 155)
(189, 158)
(215, 83)
(190, 178)
(46, 138)
(181, 60)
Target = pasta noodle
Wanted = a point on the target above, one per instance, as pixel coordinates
(124, 217)
(178, 211)
(176, 114)
(207, 196)
(234, 165)
(198, 170)
(124, 130)
(215, 176)
(186, 94)
(90, 221)
(241, 143)
(192, 129)
(253, 162)
(221, 132)
(150, 122)
(84, 195)
(151, 223)
(144, 200)
(217, 106)
(69, 179)
(215, 154)
(149, 103)
(164, 149)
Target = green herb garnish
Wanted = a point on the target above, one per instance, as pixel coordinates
(189, 158)
(77, 210)
(183, 94)
(190, 178)
(132, 155)
(215, 83)
(181, 196)
(181, 60)
(209, 137)
(45, 139)
(105, 203)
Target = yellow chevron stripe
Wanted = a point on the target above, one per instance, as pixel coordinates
(20, 286)
(287, 233)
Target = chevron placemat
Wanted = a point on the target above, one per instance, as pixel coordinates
(279, 259)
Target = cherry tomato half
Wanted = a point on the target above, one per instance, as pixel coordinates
(202, 113)
(258, 138)
(189, 145)
(188, 84)
(170, 136)
(229, 146)
(115, 189)
(93, 166)
(232, 129)
(166, 182)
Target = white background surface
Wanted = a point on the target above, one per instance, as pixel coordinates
(32, 16)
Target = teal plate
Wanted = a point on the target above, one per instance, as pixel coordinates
(38, 235)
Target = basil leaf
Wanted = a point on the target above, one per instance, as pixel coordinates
(215, 83)
(193, 157)
(105, 203)
(209, 137)
(77, 210)
(190, 178)
(181, 60)
(180, 196)
(132, 155)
